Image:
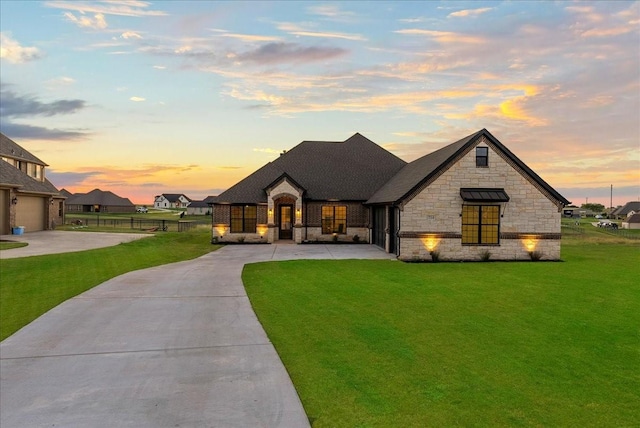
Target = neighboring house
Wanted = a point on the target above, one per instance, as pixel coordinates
(99, 201)
(27, 198)
(202, 207)
(632, 222)
(577, 212)
(458, 202)
(171, 200)
(626, 209)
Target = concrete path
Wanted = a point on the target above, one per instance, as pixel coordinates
(172, 346)
(60, 241)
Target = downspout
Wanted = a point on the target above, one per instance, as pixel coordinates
(397, 233)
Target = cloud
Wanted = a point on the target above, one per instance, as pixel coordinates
(14, 105)
(296, 30)
(250, 37)
(11, 50)
(97, 23)
(444, 36)
(130, 35)
(29, 132)
(268, 151)
(331, 12)
(137, 99)
(62, 81)
(470, 12)
(276, 53)
(134, 8)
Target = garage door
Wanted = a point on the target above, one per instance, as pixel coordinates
(30, 213)
(4, 212)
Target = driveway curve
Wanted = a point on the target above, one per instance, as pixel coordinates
(170, 346)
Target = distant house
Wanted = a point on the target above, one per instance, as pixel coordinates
(626, 209)
(27, 198)
(631, 222)
(98, 201)
(171, 200)
(466, 199)
(202, 207)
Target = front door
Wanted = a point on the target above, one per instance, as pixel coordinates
(285, 228)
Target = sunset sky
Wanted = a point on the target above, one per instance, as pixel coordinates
(143, 98)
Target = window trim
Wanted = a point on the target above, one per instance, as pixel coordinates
(482, 160)
(479, 224)
(244, 219)
(334, 225)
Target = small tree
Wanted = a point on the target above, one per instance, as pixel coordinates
(596, 208)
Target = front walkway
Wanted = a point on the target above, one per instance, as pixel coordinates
(173, 345)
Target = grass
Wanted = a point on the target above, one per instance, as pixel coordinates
(8, 245)
(31, 286)
(383, 343)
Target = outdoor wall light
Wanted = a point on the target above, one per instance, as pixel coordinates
(14, 201)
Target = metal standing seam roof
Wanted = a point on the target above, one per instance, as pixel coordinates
(483, 195)
(350, 170)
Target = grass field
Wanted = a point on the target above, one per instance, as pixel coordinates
(384, 343)
(31, 286)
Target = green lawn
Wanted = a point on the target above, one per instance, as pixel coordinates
(384, 343)
(31, 286)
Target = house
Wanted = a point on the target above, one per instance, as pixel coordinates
(27, 198)
(456, 203)
(202, 207)
(631, 222)
(171, 200)
(625, 210)
(98, 201)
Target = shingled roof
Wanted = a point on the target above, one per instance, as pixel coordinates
(627, 208)
(98, 197)
(11, 149)
(11, 176)
(415, 174)
(350, 170)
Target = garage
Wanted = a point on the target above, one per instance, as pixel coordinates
(4, 212)
(30, 213)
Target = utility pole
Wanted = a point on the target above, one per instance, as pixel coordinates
(611, 199)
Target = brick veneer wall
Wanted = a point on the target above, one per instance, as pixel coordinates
(434, 212)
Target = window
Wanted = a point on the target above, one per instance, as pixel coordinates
(244, 218)
(482, 156)
(334, 219)
(480, 224)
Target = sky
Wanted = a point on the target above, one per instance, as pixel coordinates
(144, 98)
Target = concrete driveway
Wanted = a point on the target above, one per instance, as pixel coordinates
(172, 346)
(59, 241)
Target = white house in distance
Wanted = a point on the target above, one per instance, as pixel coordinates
(171, 200)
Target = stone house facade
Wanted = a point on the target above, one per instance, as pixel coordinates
(471, 199)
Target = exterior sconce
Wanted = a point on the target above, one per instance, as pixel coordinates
(14, 201)
(51, 201)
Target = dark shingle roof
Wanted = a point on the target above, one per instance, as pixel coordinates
(11, 149)
(635, 218)
(627, 208)
(98, 197)
(415, 174)
(349, 170)
(173, 197)
(11, 176)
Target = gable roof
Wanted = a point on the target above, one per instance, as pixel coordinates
(174, 197)
(627, 208)
(98, 197)
(350, 170)
(11, 149)
(635, 218)
(417, 173)
(11, 176)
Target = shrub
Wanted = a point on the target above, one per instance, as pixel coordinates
(241, 239)
(535, 255)
(356, 238)
(435, 256)
(485, 255)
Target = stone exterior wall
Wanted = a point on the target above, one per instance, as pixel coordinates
(431, 220)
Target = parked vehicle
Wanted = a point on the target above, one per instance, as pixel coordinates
(607, 224)
(143, 210)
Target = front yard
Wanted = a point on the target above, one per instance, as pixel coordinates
(383, 343)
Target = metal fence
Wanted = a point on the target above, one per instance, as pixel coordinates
(149, 225)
